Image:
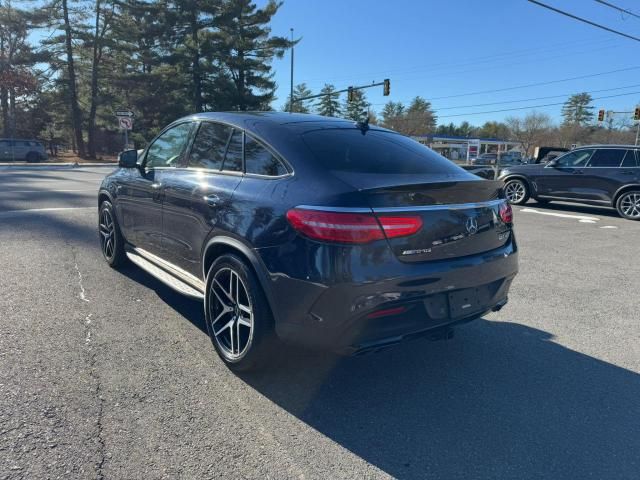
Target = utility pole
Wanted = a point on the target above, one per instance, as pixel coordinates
(291, 91)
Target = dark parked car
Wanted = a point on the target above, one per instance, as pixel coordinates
(485, 159)
(603, 175)
(307, 229)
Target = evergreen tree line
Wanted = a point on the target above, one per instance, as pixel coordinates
(418, 118)
(160, 58)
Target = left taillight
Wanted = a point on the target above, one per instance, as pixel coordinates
(506, 212)
(341, 227)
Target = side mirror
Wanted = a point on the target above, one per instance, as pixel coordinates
(552, 163)
(128, 159)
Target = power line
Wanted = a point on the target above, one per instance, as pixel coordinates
(523, 99)
(531, 99)
(517, 87)
(620, 9)
(529, 107)
(584, 20)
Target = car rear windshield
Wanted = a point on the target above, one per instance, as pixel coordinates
(374, 151)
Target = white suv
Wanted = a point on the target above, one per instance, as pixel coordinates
(16, 149)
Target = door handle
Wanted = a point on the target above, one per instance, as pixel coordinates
(212, 200)
(577, 172)
(156, 186)
(627, 172)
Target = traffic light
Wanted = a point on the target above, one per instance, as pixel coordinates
(601, 115)
(636, 114)
(350, 94)
(386, 87)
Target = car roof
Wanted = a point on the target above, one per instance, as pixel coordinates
(602, 145)
(301, 122)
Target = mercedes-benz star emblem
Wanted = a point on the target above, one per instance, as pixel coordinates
(472, 225)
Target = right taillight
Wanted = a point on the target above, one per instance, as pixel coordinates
(506, 212)
(344, 227)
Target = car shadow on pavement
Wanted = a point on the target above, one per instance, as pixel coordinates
(501, 400)
(190, 309)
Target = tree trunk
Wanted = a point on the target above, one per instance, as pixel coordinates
(242, 104)
(195, 66)
(12, 112)
(4, 104)
(4, 96)
(91, 123)
(76, 114)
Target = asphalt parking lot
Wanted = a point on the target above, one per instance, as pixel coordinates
(109, 374)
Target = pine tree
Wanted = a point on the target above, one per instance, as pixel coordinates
(419, 118)
(329, 104)
(357, 109)
(299, 91)
(248, 49)
(17, 76)
(393, 116)
(577, 110)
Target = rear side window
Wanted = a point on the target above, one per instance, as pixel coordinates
(632, 159)
(607, 157)
(349, 150)
(258, 160)
(233, 158)
(209, 146)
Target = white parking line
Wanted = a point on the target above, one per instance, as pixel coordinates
(581, 218)
(13, 213)
(608, 226)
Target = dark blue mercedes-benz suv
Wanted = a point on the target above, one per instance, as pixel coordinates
(307, 229)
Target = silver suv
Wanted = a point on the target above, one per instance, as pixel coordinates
(16, 149)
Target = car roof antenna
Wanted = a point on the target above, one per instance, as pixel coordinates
(363, 125)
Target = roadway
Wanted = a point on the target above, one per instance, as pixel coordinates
(109, 374)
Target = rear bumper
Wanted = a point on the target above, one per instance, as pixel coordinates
(343, 316)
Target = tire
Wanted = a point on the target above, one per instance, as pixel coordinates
(238, 316)
(33, 157)
(517, 191)
(111, 239)
(628, 205)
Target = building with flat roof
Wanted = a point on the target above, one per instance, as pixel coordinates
(463, 149)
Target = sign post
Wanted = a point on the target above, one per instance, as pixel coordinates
(125, 122)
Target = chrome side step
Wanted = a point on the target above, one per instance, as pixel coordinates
(165, 277)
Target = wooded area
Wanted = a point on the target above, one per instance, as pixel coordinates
(162, 59)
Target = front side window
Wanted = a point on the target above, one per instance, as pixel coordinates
(258, 160)
(574, 159)
(607, 157)
(167, 150)
(209, 146)
(233, 158)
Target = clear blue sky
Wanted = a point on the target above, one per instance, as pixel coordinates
(442, 48)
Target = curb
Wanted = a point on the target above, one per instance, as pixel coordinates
(44, 166)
